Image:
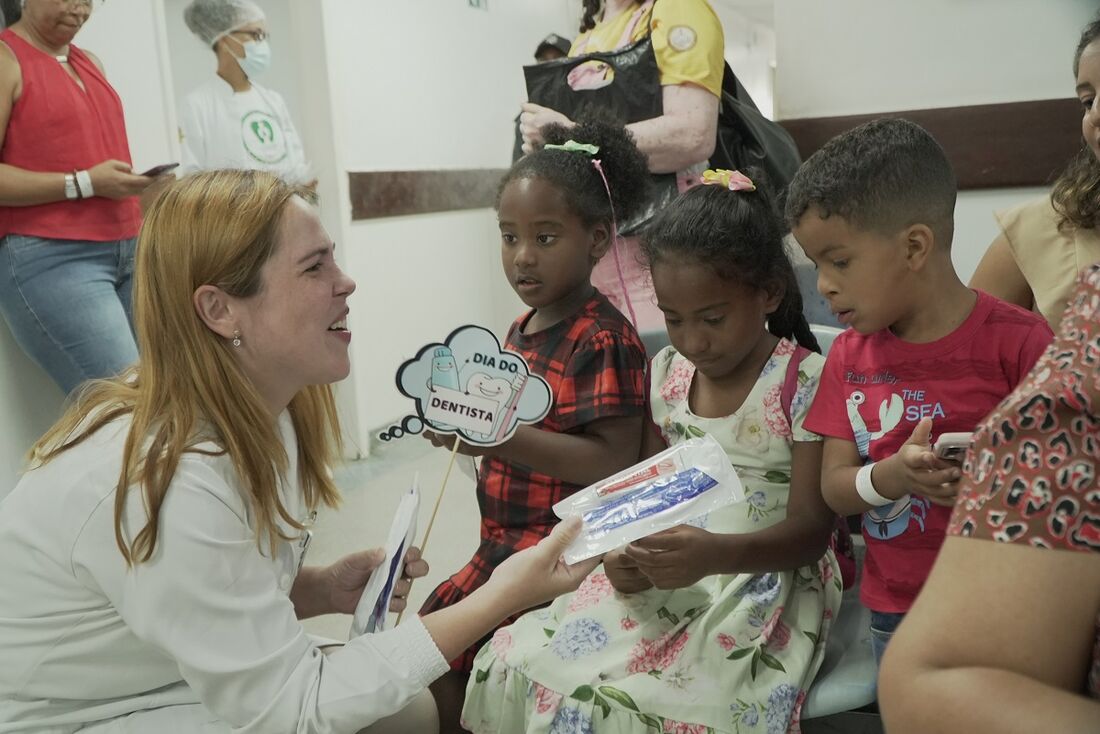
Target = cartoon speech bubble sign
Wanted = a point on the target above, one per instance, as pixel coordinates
(471, 387)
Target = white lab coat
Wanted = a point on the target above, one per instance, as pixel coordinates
(252, 130)
(207, 619)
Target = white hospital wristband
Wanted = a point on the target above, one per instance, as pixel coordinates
(84, 179)
(866, 490)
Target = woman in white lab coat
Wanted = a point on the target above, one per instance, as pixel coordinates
(231, 121)
(153, 551)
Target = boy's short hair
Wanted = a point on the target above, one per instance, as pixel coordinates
(884, 175)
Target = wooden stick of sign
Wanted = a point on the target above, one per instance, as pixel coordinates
(435, 510)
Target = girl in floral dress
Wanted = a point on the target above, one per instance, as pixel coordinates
(719, 625)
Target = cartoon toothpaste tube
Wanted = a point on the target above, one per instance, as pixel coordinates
(664, 467)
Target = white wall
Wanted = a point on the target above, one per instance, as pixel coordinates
(422, 85)
(750, 51)
(849, 57)
(127, 36)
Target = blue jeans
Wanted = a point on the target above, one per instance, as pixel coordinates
(883, 626)
(67, 303)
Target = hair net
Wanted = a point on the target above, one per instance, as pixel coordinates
(212, 19)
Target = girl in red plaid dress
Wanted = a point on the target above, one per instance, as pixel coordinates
(557, 209)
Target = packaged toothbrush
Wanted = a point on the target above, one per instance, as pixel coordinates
(677, 485)
(370, 612)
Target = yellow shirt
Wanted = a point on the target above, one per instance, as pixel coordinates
(1049, 258)
(687, 40)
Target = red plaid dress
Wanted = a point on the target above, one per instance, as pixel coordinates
(595, 364)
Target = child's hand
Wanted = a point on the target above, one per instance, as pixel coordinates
(448, 442)
(914, 468)
(674, 558)
(623, 573)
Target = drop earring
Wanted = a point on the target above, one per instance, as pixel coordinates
(237, 338)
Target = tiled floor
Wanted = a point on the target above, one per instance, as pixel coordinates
(372, 489)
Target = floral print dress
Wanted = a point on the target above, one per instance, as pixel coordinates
(731, 653)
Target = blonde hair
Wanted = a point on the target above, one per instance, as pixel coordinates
(216, 228)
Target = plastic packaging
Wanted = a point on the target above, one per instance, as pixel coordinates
(676, 486)
(370, 612)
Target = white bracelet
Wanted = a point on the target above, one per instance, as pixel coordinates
(866, 490)
(85, 180)
(71, 192)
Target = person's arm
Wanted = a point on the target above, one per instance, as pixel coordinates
(212, 602)
(1000, 640)
(681, 137)
(603, 447)
(912, 469)
(998, 274)
(522, 581)
(680, 556)
(653, 442)
(20, 187)
(800, 539)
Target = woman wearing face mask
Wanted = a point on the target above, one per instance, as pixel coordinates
(231, 121)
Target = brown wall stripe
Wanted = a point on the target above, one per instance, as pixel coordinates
(377, 194)
(990, 146)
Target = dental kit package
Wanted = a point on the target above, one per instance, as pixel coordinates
(370, 612)
(678, 485)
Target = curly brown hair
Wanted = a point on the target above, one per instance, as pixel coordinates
(1076, 194)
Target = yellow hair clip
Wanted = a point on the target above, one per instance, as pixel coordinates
(732, 180)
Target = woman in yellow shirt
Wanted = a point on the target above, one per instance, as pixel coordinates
(688, 44)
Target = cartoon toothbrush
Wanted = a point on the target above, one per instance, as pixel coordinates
(518, 384)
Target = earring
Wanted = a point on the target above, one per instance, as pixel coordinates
(237, 337)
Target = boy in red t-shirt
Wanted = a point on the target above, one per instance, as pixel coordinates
(926, 355)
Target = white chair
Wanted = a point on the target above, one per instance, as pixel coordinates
(846, 681)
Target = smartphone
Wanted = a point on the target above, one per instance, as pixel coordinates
(159, 170)
(952, 446)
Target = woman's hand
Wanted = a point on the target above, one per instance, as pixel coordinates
(624, 574)
(675, 558)
(113, 179)
(532, 118)
(538, 574)
(348, 576)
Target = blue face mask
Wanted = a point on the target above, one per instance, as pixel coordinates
(257, 57)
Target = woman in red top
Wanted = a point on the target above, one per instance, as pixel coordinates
(69, 214)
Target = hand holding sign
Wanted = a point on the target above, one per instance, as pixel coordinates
(470, 387)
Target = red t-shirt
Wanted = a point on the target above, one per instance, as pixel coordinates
(875, 389)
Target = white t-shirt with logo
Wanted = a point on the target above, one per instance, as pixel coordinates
(220, 128)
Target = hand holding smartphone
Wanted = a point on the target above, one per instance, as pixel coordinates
(159, 170)
(951, 446)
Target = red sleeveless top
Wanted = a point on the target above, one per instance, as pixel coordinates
(55, 126)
